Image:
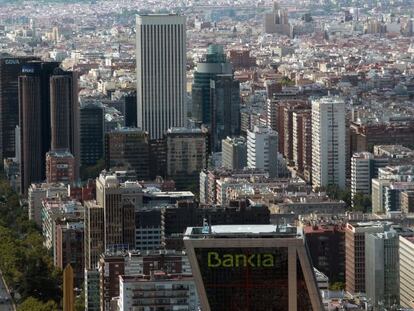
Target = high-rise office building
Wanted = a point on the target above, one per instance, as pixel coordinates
(406, 273)
(64, 113)
(262, 150)
(60, 95)
(31, 168)
(302, 140)
(161, 72)
(10, 69)
(355, 253)
(212, 64)
(70, 248)
(110, 220)
(224, 109)
(186, 155)
(128, 148)
(130, 103)
(252, 267)
(93, 233)
(91, 134)
(381, 269)
(328, 142)
(288, 121)
(45, 70)
(42, 96)
(118, 201)
(234, 153)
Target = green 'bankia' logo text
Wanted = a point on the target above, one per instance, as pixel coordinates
(214, 260)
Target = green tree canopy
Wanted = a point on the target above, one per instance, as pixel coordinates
(32, 304)
(25, 263)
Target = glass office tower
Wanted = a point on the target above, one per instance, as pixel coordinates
(252, 267)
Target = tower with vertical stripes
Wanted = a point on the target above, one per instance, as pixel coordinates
(161, 72)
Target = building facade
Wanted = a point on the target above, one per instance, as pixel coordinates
(70, 249)
(110, 220)
(186, 156)
(30, 122)
(42, 95)
(212, 64)
(327, 249)
(328, 142)
(252, 268)
(128, 148)
(91, 134)
(302, 140)
(364, 167)
(161, 77)
(10, 69)
(381, 269)
(225, 109)
(355, 254)
(234, 153)
(60, 167)
(140, 267)
(172, 291)
(406, 273)
(262, 150)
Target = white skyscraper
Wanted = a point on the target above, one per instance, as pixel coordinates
(262, 150)
(161, 72)
(328, 142)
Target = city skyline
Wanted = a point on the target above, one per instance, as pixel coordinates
(207, 156)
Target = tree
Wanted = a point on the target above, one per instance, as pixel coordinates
(287, 82)
(337, 286)
(26, 266)
(80, 301)
(92, 171)
(361, 203)
(32, 304)
(335, 193)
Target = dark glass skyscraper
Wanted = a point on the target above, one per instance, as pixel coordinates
(214, 63)
(30, 131)
(130, 102)
(252, 267)
(64, 109)
(64, 114)
(10, 69)
(48, 117)
(34, 120)
(216, 96)
(224, 109)
(91, 133)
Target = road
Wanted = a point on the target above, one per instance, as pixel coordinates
(5, 305)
